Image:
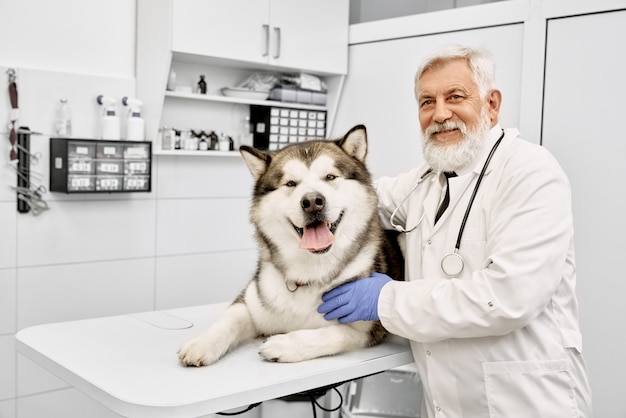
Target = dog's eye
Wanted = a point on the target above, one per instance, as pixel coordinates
(330, 177)
(290, 183)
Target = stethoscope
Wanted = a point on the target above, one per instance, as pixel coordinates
(452, 264)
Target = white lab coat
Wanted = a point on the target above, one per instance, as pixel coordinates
(502, 339)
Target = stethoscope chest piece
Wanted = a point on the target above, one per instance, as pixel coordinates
(452, 264)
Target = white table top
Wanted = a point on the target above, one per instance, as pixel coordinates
(129, 364)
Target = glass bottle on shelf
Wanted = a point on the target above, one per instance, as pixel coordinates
(214, 145)
(171, 81)
(64, 119)
(245, 136)
(202, 85)
(166, 138)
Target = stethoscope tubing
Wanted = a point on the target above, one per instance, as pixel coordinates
(454, 258)
(393, 214)
(471, 202)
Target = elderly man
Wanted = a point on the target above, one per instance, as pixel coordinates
(488, 302)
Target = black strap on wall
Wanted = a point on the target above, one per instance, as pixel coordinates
(23, 168)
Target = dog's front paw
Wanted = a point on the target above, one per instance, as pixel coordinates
(282, 348)
(199, 352)
(293, 347)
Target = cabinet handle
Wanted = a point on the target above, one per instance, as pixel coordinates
(277, 36)
(266, 31)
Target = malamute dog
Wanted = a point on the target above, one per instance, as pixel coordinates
(314, 210)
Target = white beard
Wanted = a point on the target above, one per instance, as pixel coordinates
(454, 157)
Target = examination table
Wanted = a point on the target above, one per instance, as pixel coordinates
(129, 364)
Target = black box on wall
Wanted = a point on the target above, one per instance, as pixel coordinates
(275, 127)
(98, 166)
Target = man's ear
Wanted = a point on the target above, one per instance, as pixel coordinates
(493, 102)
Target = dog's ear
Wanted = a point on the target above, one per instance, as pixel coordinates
(354, 143)
(256, 160)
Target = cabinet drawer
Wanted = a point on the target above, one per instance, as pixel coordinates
(109, 150)
(105, 183)
(137, 183)
(137, 167)
(80, 165)
(79, 149)
(106, 166)
(81, 183)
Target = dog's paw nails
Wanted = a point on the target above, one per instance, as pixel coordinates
(193, 355)
(191, 362)
(273, 359)
(281, 348)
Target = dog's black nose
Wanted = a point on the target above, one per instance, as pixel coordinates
(312, 202)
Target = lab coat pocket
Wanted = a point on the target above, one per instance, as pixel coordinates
(530, 389)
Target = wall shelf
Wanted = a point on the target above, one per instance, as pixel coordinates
(183, 153)
(225, 99)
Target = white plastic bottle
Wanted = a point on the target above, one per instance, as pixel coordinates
(110, 123)
(64, 119)
(134, 122)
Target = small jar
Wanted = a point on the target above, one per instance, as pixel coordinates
(224, 143)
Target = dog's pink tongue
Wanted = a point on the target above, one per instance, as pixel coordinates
(316, 237)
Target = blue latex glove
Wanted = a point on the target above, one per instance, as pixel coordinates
(354, 301)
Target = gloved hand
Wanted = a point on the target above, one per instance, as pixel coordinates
(354, 301)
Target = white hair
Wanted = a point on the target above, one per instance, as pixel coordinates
(479, 60)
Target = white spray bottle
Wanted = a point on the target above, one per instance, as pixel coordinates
(110, 125)
(134, 123)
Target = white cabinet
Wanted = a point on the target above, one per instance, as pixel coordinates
(230, 29)
(313, 34)
(227, 41)
(583, 107)
(309, 35)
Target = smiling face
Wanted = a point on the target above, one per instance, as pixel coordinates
(314, 197)
(453, 116)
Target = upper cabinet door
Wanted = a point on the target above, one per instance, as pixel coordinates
(307, 35)
(310, 34)
(232, 29)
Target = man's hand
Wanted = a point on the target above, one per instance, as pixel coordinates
(354, 301)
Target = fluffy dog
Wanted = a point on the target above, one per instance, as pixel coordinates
(315, 213)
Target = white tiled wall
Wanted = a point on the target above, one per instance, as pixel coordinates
(7, 362)
(188, 242)
(60, 292)
(87, 231)
(7, 301)
(202, 278)
(8, 227)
